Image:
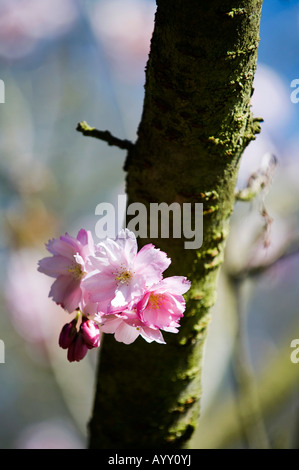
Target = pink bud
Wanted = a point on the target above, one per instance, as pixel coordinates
(67, 334)
(90, 334)
(77, 349)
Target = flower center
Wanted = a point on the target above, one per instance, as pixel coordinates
(124, 276)
(155, 300)
(76, 271)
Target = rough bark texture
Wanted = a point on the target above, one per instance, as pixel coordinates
(195, 125)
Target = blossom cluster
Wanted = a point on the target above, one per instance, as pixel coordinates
(111, 287)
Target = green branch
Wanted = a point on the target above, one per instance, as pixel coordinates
(106, 136)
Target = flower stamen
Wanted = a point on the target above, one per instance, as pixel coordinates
(76, 271)
(155, 300)
(124, 276)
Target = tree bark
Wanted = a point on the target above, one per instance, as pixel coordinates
(196, 123)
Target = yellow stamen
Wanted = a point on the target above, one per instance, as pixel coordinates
(76, 271)
(124, 277)
(155, 300)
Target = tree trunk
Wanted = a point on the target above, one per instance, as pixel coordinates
(195, 125)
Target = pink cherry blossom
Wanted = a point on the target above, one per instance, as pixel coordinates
(163, 304)
(114, 289)
(121, 274)
(69, 264)
(127, 326)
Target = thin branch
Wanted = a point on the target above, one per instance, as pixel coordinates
(249, 409)
(106, 136)
(251, 191)
(287, 251)
(259, 180)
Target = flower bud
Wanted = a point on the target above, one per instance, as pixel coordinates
(77, 349)
(67, 334)
(90, 333)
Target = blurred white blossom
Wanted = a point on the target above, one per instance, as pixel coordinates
(125, 27)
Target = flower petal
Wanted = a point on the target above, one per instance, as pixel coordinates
(100, 286)
(174, 284)
(54, 266)
(110, 324)
(150, 263)
(64, 246)
(126, 334)
(66, 292)
(150, 334)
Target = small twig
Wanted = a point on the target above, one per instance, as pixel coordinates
(257, 186)
(106, 136)
(259, 180)
(251, 271)
(254, 187)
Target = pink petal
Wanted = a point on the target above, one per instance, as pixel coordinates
(174, 284)
(158, 317)
(177, 304)
(111, 324)
(99, 262)
(150, 263)
(100, 286)
(141, 305)
(54, 266)
(114, 252)
(171, 329)
(118, 302)
(84, 237)
(64, 246)
(124, 294)
(149, 334)
(86, 306)
(128, 243)
(66, 292)
(126, 334)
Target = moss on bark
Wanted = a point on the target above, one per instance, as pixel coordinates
(195, 125)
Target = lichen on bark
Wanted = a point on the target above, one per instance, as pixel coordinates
(195, 125)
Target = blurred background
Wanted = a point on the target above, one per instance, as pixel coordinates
(64, 62)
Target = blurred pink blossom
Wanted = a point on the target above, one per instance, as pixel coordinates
(24, 22)
(34, 316)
